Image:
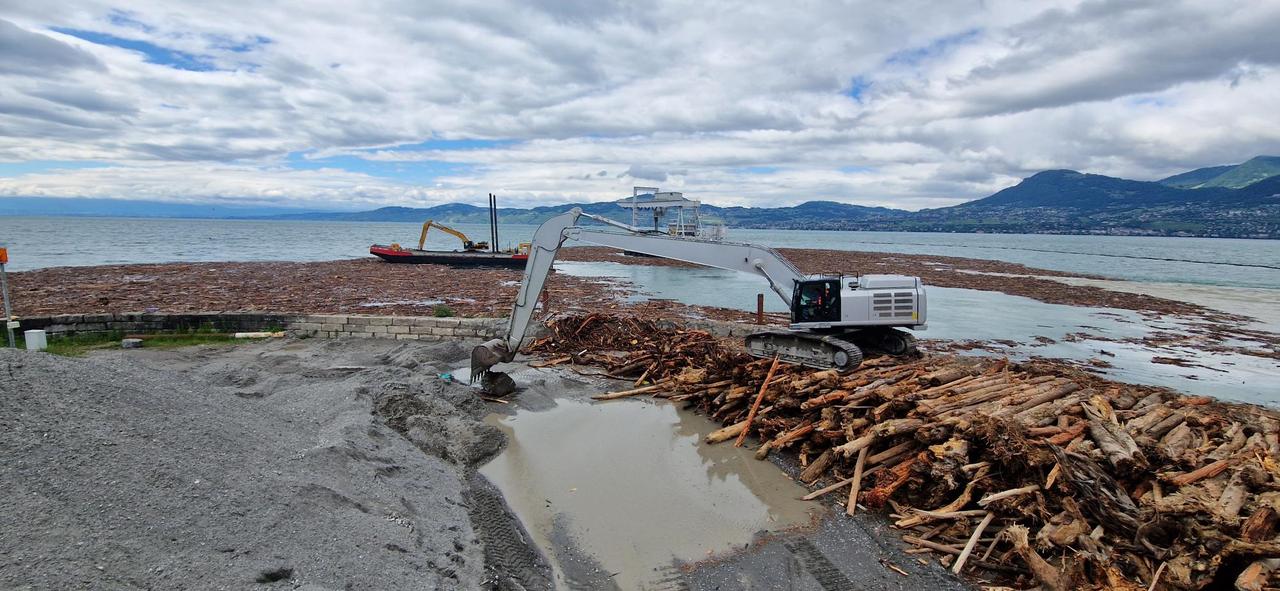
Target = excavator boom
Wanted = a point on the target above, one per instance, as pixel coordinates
(864, 308)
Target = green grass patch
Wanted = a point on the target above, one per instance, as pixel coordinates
(77, 345)
(442, 312)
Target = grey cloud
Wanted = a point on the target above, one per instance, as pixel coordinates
(1127, 48)
(644, 173)
(658, 90)
(651, 173)
(53, 114)
(84, 99)
(30, 53)
(195, 150)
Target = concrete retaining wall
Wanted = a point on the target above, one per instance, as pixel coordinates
(397, 327)
(318, 325)
(323, 325)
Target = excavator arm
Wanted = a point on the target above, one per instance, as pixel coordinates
(466, 243)
(553, 233)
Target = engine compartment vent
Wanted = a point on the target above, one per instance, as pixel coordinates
(899, 304)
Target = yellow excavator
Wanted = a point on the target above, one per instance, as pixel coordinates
(467, 244)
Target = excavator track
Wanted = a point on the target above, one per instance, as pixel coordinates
(889, 341)
(843, 352)
(807, 349)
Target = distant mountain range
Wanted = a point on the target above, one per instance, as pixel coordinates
(799, 216)
(1069, 202)
(1234, 201)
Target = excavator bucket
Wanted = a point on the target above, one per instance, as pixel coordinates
(486, 355)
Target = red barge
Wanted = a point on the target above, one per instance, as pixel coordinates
(473, 254)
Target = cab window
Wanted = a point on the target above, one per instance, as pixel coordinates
(818, 301)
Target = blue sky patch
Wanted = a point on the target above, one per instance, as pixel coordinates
(857, 87)
(12, 169)
(155, 54)
(423, 172)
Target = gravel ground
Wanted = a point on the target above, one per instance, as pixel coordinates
(254, 466)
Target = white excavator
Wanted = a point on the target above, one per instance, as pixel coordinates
(833, 317)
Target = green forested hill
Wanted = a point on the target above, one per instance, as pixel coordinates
(1233, 176)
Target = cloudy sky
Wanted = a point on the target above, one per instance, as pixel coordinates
(357, 104)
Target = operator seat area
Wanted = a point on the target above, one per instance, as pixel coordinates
(816, 301)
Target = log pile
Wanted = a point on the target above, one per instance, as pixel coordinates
(1018, 474)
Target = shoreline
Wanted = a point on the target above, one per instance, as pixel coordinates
(1161, 341)
(124, 282)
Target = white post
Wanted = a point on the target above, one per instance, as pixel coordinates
(8, 312)
(35, 340)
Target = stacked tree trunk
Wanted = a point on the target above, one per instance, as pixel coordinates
(1025, 475)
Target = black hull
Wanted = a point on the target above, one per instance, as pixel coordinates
(504, 261)
(452, 259)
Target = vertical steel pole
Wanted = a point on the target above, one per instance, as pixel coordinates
(8, 312)
(760, 308)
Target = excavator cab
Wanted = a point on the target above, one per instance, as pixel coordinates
(816, 300)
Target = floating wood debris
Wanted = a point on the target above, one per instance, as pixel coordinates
(1087, 483)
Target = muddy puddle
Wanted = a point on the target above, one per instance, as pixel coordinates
(615, 493)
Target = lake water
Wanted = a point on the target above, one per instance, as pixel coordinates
(37, 242)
